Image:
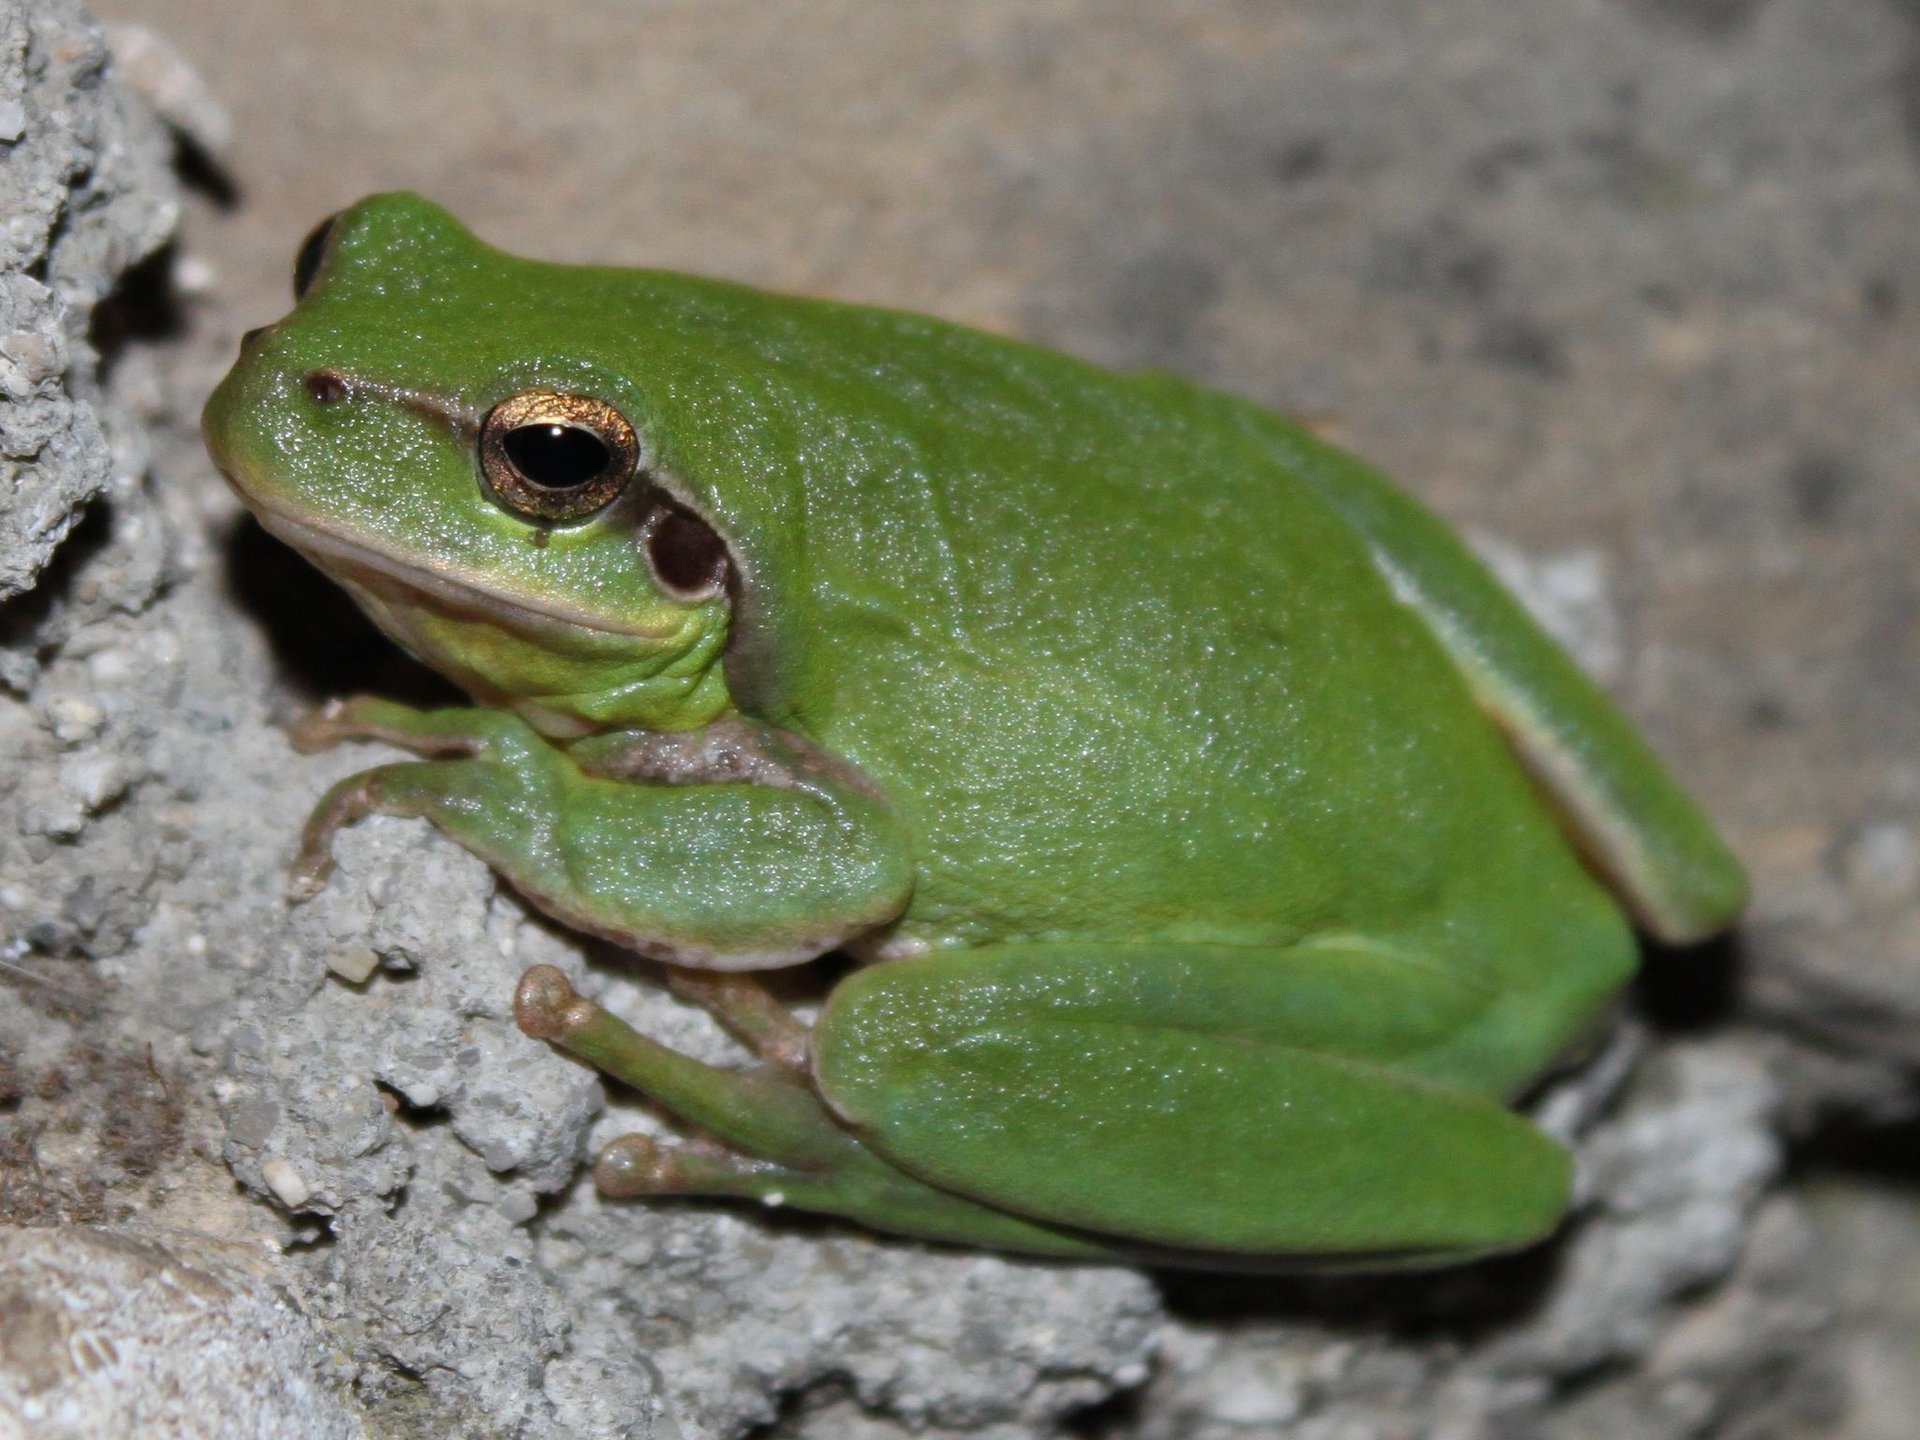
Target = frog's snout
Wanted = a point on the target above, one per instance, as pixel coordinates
(252, 340)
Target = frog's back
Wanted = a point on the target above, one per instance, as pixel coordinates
(1123, 671)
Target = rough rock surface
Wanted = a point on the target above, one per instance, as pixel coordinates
(110, 1332)
(76, 162)
(1620, 285)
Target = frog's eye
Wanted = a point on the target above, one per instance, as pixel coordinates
(312, 255)
(548, 455)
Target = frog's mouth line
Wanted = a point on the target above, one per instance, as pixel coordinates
(332, 549)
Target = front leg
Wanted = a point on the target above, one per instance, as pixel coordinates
(724, 874)
(454, 731)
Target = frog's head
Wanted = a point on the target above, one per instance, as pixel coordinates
(456, 435)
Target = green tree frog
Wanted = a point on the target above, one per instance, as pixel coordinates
(1224, 851)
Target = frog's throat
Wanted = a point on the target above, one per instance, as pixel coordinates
(343, 554)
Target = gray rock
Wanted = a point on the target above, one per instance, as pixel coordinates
(77, 214)
(128, 1332)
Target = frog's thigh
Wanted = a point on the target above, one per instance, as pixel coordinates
(1122, 1091)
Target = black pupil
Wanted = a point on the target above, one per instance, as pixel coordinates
(557, 457)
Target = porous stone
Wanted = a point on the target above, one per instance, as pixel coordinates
(149, 1333)
(76, 160)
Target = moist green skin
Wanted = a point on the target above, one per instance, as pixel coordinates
(1218, 823)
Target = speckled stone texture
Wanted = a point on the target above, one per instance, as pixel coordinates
(1620, 286)
(105, 1332)
(78, 205)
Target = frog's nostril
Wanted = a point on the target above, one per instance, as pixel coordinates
(324, 387)
(254, 336)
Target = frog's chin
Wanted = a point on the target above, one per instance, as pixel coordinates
(365, 566)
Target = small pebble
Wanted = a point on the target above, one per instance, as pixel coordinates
(37, 355)
(94, 779)
(61, 819)
(111, 667)
(74, 719)
(354, 964)
(285, 1182)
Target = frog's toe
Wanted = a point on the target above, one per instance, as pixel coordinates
(633, 1167)
(308, 875)
(319, 729)
(345, 802)
(776, 1143)
(547, 1007)
(430, 733)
